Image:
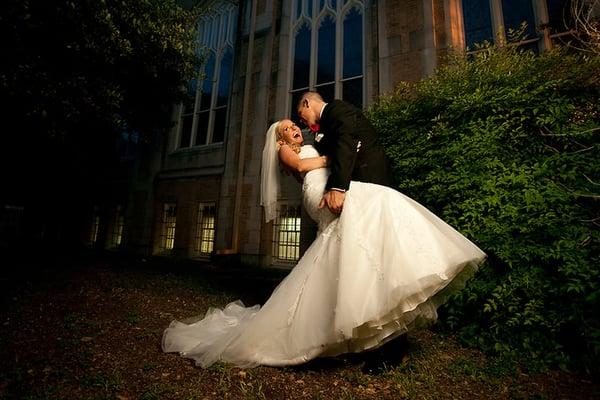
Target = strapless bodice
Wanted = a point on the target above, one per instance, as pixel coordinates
(313, 187)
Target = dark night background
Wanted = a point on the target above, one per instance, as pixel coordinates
(82, 83)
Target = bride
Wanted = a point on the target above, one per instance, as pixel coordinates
(378, 269)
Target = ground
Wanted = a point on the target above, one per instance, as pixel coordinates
(92, 330)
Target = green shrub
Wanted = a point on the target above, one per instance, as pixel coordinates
(503, 145)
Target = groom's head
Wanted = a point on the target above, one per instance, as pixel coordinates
(309, 108)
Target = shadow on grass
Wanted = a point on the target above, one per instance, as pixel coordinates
(52, 271)
(391, 355)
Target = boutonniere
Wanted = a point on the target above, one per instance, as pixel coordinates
(319, 136)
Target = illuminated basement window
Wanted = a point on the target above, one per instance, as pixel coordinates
(167, 237)
(119, 224)
(94, 227)
(286, 233)
(205, 229)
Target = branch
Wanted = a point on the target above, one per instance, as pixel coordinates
(552, 148)
(576, 194)
(589, 180)
(586, 14)
(582, 150)
(591, 220)
(590, 196)
(588, 130)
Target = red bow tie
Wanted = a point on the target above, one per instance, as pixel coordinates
(314, 128)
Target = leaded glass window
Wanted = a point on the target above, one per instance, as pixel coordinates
(327, 41)
(489, 20)
(560, 20)
(353, 56)
(326, 51)
(168, 223)
(94, 227)
(559, 16)
(118, 227)
(203, 114)
(518, 12)
(204, 237)
(478, 22)
(286, 233)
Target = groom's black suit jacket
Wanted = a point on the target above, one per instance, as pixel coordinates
(344, 126)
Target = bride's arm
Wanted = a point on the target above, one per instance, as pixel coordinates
(293, 162)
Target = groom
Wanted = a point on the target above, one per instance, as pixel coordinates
(349, 140)
(343, 134)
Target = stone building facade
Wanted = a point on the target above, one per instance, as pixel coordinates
(195, 192)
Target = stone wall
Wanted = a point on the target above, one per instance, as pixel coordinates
(404, 41)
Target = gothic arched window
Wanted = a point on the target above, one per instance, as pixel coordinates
(353, 57)
(203, 115)
(327, 38)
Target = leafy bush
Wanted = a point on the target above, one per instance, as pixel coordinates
(503, 145)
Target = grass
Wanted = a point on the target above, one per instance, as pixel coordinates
(109, 384)
(98, 336)
(132, 317)
(157, 391)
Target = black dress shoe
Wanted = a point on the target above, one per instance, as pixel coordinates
(388, 355)
(374, 362)
(397, 347)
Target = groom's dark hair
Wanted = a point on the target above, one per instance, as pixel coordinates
(309, 95)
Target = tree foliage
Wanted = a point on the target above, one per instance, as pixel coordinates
(503, 145)
(74, 77)
(76, 64)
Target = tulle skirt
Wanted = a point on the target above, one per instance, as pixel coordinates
(380, 269)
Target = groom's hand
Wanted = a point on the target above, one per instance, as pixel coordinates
(334, 200)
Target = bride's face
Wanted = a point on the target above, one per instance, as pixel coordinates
(290, 132)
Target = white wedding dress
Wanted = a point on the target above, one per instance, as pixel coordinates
(378, 270)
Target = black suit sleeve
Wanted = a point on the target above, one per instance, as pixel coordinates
(343, 153)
